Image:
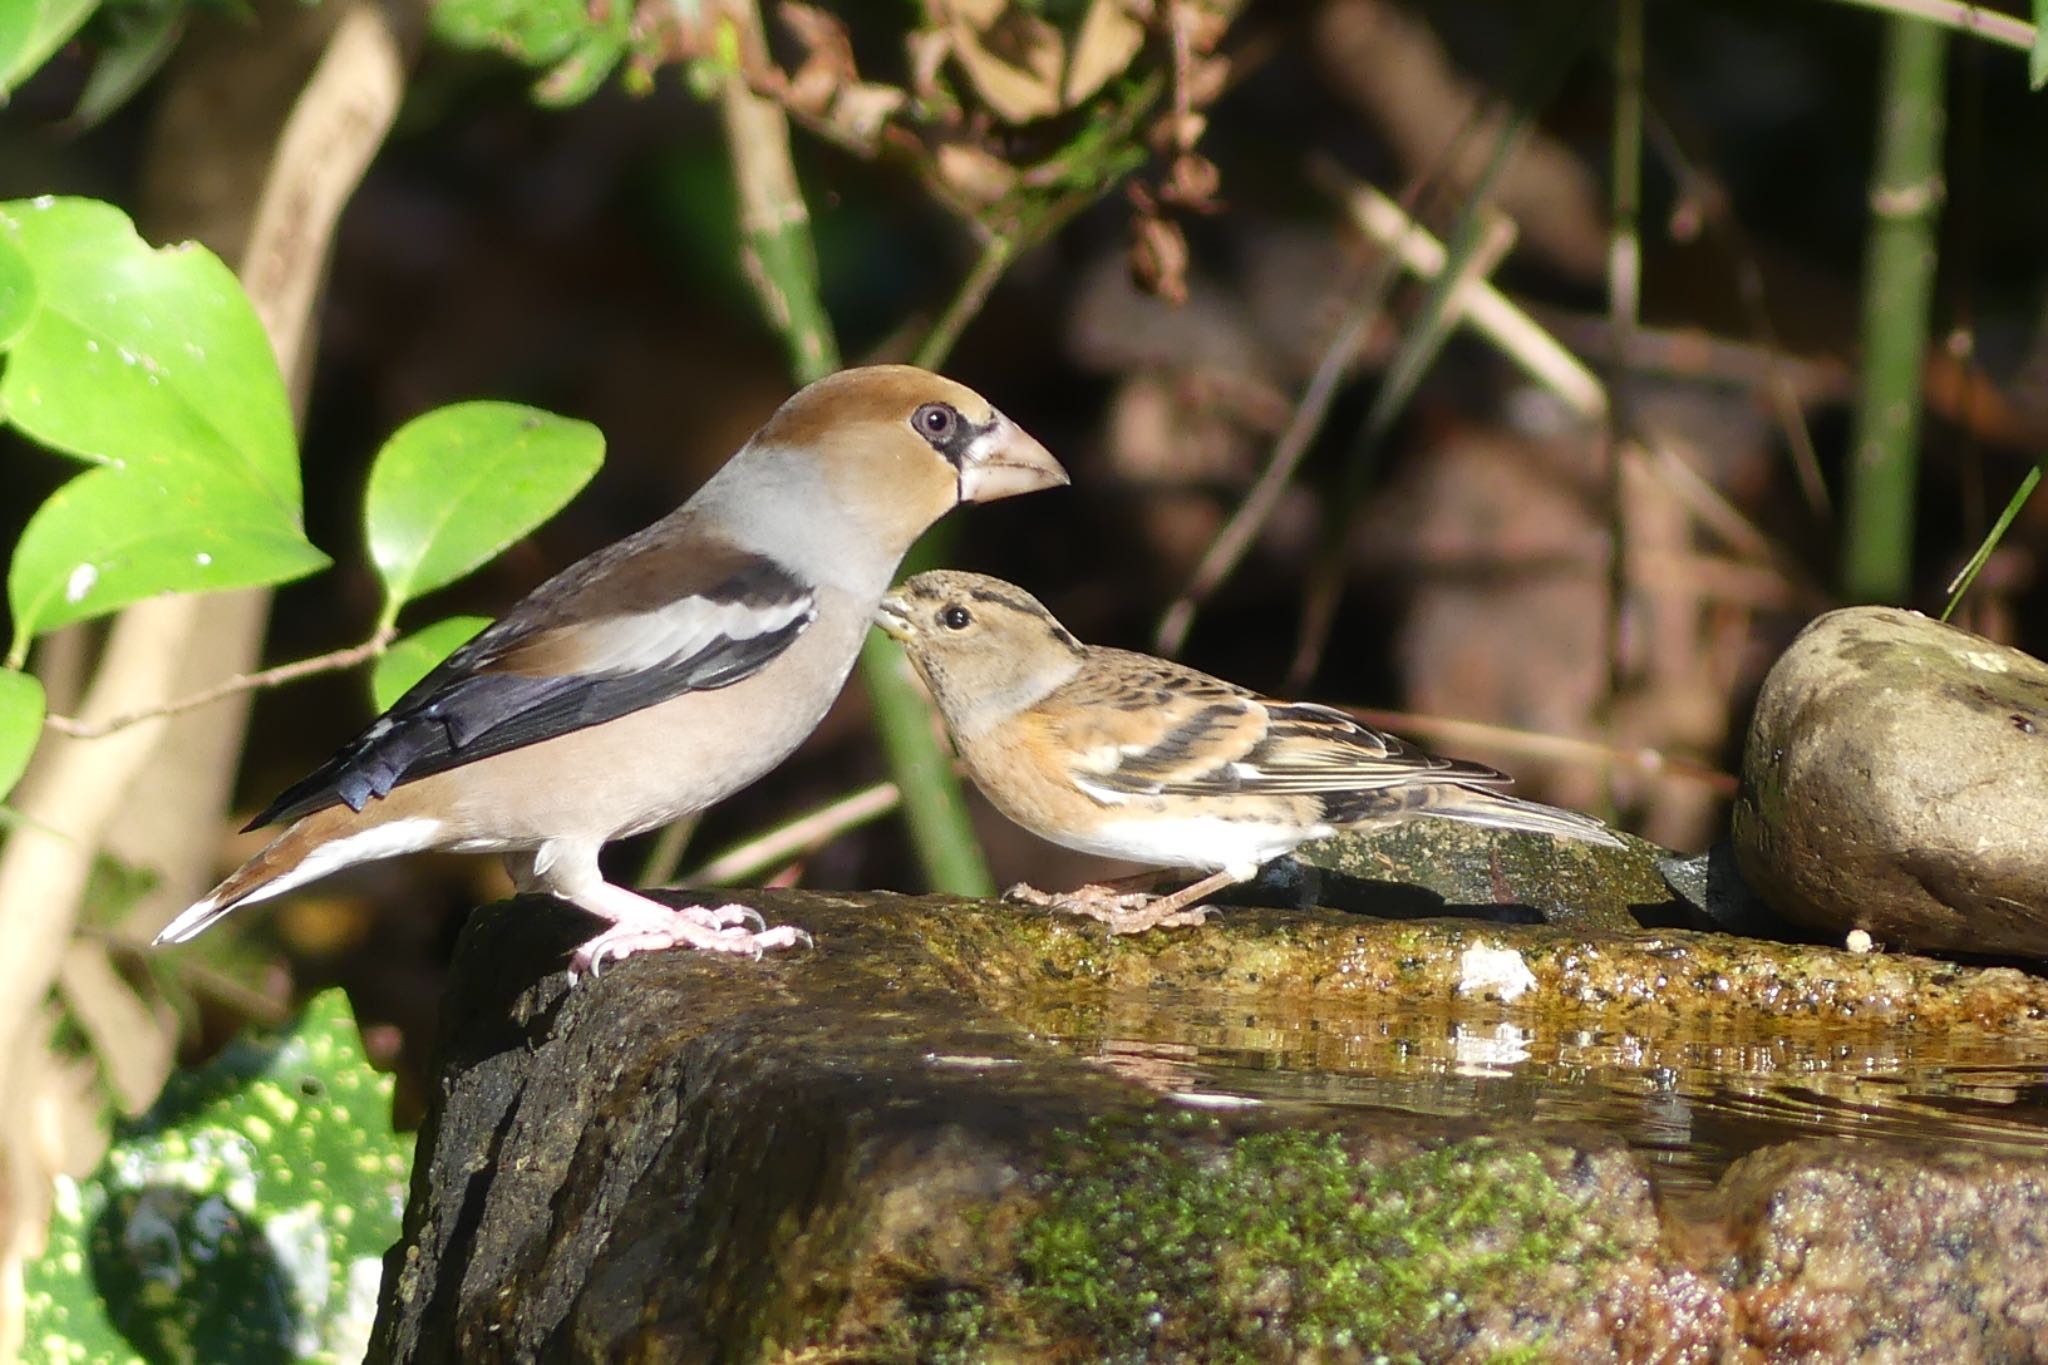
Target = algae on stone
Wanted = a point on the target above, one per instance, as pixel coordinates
(1285, 1242)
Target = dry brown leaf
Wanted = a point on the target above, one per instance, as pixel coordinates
(1159, 258)
(975, 175)
(827, 66)
(927, 49)
(1108, 40)
(861, 110)
(1192, 183)
(1013, 61)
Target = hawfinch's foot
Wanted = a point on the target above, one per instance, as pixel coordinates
(1125, 912)
(719, 929)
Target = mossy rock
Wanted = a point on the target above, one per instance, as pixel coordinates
(868, 1152)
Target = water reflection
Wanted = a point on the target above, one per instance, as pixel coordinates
(1692, 1099)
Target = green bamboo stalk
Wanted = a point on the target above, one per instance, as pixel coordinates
(782, 264)
(1898, 286)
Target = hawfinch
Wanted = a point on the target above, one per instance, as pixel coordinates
(660, 674)
(1132, 757)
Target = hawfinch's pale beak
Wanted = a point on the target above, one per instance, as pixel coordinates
(892, 616)
(1004, 461)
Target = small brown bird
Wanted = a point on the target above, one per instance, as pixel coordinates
(1132, 757)
(660, 674)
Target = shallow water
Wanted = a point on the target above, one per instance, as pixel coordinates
(1691, 1098)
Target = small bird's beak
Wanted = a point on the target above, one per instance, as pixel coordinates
(892, 618)
(1004, 461)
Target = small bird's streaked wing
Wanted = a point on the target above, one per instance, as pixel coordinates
(627, 629)
(1158, 728)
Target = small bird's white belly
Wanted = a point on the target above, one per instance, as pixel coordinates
(1210, 843)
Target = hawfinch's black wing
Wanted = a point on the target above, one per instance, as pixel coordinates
(648, 619)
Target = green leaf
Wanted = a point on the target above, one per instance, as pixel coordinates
(244, 1217)
(31, 31)
(109, 538)
(17, 293)
(143, 357)
(21, 724)
(152, 364)
(136, 43)
(454, 487)
(582, 42)
(412, 658)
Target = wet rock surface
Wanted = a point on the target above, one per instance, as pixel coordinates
(959, 1131)
(1895, 781)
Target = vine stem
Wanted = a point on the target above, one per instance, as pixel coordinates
(330, 662)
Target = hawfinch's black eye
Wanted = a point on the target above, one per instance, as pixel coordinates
(956, 618)
(936, 422)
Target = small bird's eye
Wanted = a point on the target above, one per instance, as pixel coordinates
(956, 618)
(936, 421)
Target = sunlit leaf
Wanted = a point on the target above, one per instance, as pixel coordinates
(112, 537)
(17, 293)
(458, 485)
(142, 357)
(151, 364)
(21, 725)
(412, 658)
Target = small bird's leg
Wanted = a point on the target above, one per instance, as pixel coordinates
(638, 924)
(1134, 914)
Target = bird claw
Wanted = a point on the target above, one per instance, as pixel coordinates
(1125, 912)
(1082, 900)
(727, 934)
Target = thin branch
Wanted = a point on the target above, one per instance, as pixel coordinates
(1489, 312)
(1624, 311)
(228, 687)
(996, 255)
(1993, 27)
(1223, 554)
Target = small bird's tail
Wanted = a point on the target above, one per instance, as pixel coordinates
(1478, 806)
(311, 847)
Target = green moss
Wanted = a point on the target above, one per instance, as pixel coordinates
(1150, 1243)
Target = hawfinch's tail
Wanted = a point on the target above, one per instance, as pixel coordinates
(323, 842)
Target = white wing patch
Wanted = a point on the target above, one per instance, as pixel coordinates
(682, 630)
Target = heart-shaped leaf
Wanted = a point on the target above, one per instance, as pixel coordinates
(152, 364)
(454, 487)
(412, 658)
(21, 725)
